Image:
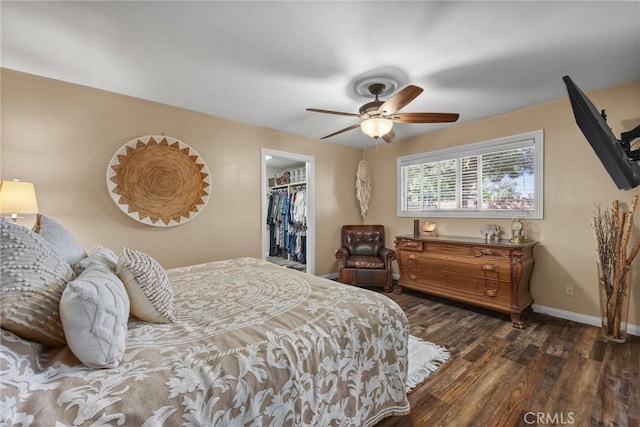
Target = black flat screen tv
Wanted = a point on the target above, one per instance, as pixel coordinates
(616, 155)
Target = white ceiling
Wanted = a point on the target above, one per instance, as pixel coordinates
(264, 62)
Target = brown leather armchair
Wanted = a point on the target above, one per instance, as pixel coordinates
(363, 258)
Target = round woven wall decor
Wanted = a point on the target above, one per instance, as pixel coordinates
(158, 180)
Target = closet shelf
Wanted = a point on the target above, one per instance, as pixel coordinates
(294, 184)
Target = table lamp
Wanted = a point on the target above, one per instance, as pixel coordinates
(17, 198)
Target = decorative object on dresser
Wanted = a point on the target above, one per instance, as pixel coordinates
(158, 180)
(416, 228)
(493, 275)
(612, 230)
(363, 258)
(429, 228)
(518, 233)
(491, 232)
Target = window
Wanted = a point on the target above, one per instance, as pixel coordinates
(501, 178)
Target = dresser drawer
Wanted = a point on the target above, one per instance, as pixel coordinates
(460, 286)
(409, 245)
(479, 252)
(493, 269)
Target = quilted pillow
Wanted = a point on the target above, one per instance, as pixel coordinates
(148, 286)
(100, 255)
(32, 279)
(94, 310)
(60, 238)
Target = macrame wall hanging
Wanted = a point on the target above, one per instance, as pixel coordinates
(158, 180)
(363, 186)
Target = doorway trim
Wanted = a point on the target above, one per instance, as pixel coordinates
(310, 163)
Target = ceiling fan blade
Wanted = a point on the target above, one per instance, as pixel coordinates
(389, 136)
(339, 113)
(357, 125)
(425, 117)
(400, 99)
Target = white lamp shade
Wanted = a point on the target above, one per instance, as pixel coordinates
(376, 127)
(17, 197)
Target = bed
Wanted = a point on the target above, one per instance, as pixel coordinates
(250, 344)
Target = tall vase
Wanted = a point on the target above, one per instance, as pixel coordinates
(614, 311)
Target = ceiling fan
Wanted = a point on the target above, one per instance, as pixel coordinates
(379, 116)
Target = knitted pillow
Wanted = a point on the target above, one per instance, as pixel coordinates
(95, 310)
(148, 286)
(32, 279)
(64, 243)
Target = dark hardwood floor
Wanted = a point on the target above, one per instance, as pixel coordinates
(555, 372)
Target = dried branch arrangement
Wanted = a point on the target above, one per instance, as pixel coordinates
(612, 232)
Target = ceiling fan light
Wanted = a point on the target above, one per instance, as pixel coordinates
(376, 127)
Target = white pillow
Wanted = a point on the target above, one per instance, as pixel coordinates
(148, 286)
(100, 255)
(32, 279)
(95, 310)
(64, 243)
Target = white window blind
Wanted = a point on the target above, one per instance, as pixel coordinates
(490, 179)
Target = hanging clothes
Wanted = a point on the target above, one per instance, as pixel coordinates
(287, 221)
(278, 204)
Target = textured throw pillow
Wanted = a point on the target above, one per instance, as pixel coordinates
(100, 255)
(148, 286)
(32, 279)
(60, 238)
(95, 310)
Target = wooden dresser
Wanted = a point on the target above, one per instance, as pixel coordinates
(494, 275)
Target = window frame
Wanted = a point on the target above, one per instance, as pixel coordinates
(527, 139)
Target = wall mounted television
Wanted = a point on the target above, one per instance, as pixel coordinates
(617, 156)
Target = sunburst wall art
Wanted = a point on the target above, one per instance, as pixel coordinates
(159, 181)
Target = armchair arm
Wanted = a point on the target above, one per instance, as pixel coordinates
(341, 255)
(387, 255)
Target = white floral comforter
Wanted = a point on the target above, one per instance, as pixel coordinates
(254, 344)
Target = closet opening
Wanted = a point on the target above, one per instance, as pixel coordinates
(288, 209)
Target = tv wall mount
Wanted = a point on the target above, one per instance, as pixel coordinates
(626, 138)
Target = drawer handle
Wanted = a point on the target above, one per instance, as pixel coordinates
(409, 244)
(412, 257)
(488, 267)
(483, 252)
(492, 293)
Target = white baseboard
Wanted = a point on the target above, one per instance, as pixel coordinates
(554, 312)
(578, 317)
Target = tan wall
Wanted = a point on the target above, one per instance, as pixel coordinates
(574, 182)
(62, 136)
